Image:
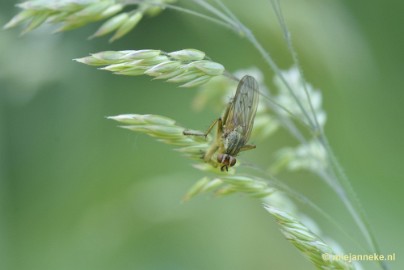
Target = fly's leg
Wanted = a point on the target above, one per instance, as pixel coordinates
(210, 152)
(215, 146)
(199, 133)
(247, 147)
(219, 128)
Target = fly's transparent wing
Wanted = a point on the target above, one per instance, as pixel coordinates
(242, 109)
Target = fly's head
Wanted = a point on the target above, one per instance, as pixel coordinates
(226, 161)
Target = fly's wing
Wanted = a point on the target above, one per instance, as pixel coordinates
(242, 109)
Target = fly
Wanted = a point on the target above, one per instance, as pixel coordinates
(235, 126)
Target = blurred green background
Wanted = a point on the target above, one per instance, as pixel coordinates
(79, 193)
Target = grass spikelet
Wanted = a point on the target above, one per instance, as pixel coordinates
(184, 66)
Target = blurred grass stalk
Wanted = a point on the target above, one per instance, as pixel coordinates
(334, 174)
(274, 201)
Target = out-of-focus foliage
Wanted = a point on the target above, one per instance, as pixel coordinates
(79, 193)
(72, 14)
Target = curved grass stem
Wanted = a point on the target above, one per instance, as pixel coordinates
(338, 181)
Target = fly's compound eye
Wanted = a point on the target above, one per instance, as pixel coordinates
(232, 161)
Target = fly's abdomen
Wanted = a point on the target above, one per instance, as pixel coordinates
(233, 142)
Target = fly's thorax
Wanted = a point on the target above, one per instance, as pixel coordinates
(233, 141)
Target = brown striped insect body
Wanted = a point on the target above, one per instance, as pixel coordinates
(235, 126)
